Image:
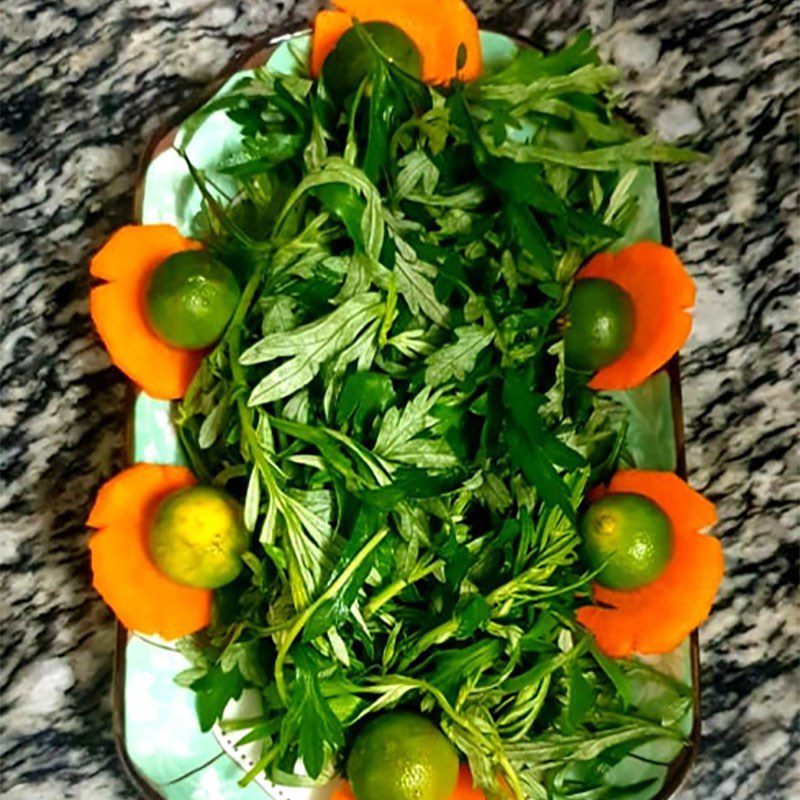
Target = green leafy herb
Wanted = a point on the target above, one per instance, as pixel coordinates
(391, 406)
(455, 361)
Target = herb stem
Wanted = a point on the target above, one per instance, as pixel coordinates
(394, 588)
(535, 575)
(233, 335)
(233, 340)
(259, 767)
(441, 633)
(241, 723)
(306, 614)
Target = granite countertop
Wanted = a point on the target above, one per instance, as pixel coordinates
(85, 84)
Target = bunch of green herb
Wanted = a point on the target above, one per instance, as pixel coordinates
(390, 403)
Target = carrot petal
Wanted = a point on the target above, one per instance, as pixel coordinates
(465, 789)
(343, 792)
(136, 249)
(127, 261)
(661, 290)
(657, 617)
(329, 26)
(438, 30)
(140, 595)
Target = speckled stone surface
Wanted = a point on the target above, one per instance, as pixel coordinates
(84, 85)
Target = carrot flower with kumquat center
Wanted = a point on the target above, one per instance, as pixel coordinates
(658, 573)
(162, 544)
(434, 41)
(143, 598)
(164, 301)
(627, 315)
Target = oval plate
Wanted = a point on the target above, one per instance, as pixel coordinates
(161, 746)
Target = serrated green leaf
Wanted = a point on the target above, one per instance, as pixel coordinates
(454, 361)
(213, 692)
(318, 726)
(414, 283)
(400, 427)
(416, 170)
(308, 347)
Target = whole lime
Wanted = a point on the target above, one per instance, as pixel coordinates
(402, 756)
(198, 537)
(190, 299)
(630, 535)
(599, 324)
(353, 59)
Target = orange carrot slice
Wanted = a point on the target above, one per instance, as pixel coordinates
(465, 790)
(127, 261)
(661, 290)
(343, 792)
(328, 29)
(657, 618)
(438, 30)
(141, 596)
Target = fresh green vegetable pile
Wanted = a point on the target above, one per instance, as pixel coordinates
(391, 405)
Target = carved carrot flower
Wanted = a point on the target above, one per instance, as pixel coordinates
(162, 545)
(124, 573)
(164, 301)
(444, 36)
(627, 315)
(659, 574)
